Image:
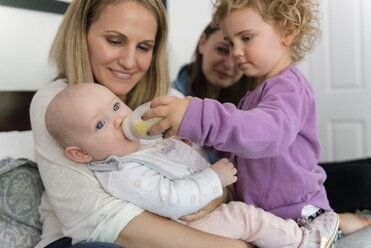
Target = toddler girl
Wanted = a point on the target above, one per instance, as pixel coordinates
(272, 137)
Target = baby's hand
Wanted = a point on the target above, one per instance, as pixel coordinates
(225, 171)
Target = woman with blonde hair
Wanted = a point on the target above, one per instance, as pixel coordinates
(120, 44)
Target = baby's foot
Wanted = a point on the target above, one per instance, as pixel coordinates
(320, 232)
(350, 222)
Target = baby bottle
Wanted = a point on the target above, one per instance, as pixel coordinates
(135, 128)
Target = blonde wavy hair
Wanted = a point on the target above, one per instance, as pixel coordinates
(301, 16)
(69, 51)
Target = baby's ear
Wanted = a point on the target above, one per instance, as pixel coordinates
(75, 153)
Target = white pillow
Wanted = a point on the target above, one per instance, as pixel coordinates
(17, 144)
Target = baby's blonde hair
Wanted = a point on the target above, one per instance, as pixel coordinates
(301, 16)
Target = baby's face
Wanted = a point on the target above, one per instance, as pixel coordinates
(100, 114)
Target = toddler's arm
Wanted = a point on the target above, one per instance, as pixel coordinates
(266, 130)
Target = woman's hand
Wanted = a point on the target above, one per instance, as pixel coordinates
(207, 209)
(172, 110)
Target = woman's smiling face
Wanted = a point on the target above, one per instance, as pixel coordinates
(217, 64)
(121, 43)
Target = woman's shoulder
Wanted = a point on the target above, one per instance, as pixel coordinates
(180, 83)
(39, 104)
(175, 92)
(53, 87)
(45, 94)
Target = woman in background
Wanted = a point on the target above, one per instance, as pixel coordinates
(212, 74)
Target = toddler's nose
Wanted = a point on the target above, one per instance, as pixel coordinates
(237, 52)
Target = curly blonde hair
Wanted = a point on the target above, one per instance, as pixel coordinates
(301, 16)
(70, 53)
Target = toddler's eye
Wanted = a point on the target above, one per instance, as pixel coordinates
(247, 38)
(116, 107)
(100, 125)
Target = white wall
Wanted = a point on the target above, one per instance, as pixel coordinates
(26, 36)
(187, 19)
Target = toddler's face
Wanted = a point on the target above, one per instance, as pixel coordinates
(256, 46)
(100, 114)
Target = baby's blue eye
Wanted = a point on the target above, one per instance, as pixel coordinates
(100, 125)
(116, 107)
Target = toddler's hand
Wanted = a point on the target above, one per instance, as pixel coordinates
(225, 171)
(172, 110)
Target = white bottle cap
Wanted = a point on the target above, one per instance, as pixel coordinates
(126, 128)
(135, 128)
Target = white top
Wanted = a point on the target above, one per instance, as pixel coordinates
(74, 203)
(167, 177)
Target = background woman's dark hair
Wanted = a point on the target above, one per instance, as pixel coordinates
(198, 84)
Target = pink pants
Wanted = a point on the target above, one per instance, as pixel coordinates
(238, 220)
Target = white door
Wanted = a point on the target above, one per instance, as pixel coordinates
(340, 72)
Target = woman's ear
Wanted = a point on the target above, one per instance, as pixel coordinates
(201, 43)
(75, 153)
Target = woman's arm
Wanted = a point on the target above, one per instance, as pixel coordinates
(149, 230)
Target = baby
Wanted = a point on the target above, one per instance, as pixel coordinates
(166, 177)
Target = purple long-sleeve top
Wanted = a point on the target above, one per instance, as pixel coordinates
(272, 138)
